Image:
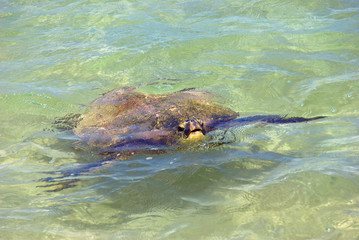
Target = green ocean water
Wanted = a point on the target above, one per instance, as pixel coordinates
(293, 181)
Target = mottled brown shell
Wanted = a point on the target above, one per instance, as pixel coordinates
(127, 117)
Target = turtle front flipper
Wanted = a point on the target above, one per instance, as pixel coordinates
(280, 120)
(274, 119)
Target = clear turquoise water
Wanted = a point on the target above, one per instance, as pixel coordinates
(295, 181)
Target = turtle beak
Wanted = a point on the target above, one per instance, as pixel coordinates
(192, 129)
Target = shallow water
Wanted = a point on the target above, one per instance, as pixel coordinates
(294, 181)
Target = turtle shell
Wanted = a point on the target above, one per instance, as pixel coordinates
(125, 119)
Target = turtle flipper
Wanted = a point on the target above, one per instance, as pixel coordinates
(67, 122)
(64, 179)
(274, 119)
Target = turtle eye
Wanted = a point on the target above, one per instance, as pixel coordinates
(180, 129)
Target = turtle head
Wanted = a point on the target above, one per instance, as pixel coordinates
(192, 129)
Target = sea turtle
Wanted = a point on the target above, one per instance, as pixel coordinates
(124, 122)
